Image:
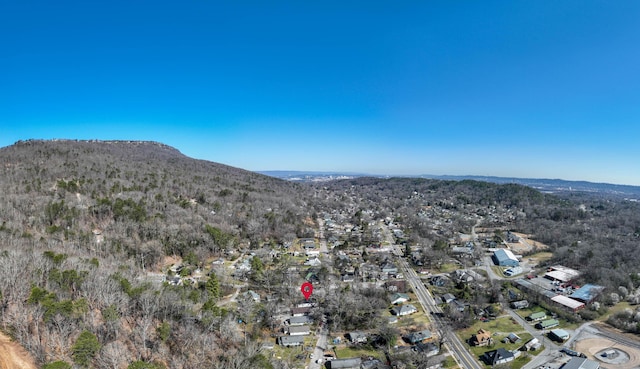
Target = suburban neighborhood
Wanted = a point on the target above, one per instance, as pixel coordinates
(432, 309)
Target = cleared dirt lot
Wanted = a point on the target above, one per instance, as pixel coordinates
(13, 356)
(600, 338)
(525, 244)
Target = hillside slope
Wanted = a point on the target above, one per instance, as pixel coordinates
(66, 189)
(83, 222)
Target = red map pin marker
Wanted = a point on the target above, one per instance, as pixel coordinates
(307, 289)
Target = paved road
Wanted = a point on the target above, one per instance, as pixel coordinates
(322, 332)
(457, 349)
(318, 351)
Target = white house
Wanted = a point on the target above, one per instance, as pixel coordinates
(403, 310)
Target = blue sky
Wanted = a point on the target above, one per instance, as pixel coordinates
(536, 89)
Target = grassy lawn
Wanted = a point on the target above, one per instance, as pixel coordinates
(448, 267)
(499, 328)
(614, 310)
(524, 313)
(498, 270)
(539, 257)
(344, 352)
(449, 363)
(416, 319)
(504, 324)
(288, 354)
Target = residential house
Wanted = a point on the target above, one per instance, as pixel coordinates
(357, 337)
(300, 320)
(299, 330)
(522, 304)
(419, 336)
(399, 298)
(300, 311)
(291, 340)
(393, 319)
(535, 317)
(447, 298)
(512, 337)
(403, 310)
(389, 268)
(559, 335)
(350, 363)
(313, 262)
(532, 345)
(482, 338)
(497, 357)
(396, 285)
(315, 253)
(427, 348)
(252, 295)
(439, 280)
(466, 276)
(372, 363)
(308, 243)
(546, 324)
(463, 250)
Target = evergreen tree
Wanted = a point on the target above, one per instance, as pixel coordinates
(213, 286)
(85, 349)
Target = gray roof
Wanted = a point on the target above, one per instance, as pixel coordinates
(301, 329)
(404, 309)
(419, 336)
(296, 320)
(291, 340)
(581, 363)
(345, 363)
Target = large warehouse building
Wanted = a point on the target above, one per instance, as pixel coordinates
(504, 257)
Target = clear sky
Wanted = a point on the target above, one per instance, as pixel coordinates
(535, 89)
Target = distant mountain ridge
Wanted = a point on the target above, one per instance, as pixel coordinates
(541, 184)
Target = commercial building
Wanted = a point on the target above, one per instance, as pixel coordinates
(568, 303)
(581, 363)
(504, 257)
(587, 293)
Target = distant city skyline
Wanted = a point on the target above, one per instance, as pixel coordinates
(527, 90)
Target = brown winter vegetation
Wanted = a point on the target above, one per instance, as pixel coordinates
(87, 229)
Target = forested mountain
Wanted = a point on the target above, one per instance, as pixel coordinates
(81, 220)
(84, 225)
(69, 188)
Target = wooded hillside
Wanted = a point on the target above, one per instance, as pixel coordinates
(85, 225)
(81, 221)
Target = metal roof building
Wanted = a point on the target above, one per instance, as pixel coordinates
(504, 257)
(568, 303)
(561, 273)
(581, 363)
(587, 293)
(559, 334)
